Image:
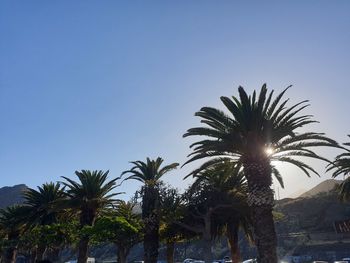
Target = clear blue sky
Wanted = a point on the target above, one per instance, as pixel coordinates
(95, 84)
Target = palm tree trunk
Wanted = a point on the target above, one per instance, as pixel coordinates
(151, 242)
(208, 256)
(83, 250)
(261, 201)
(122, 254)
(87, 218)
(40, 251)
(10, 255)
(151, 221)
(232, 237)
(53, 254)
(170, 249)
(33, 255)
(265, 234)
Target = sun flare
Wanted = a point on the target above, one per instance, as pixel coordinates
(269, 150)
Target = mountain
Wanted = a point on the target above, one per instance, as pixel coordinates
(323, 187)
(297, 193)
(315, 213)
(10, 195)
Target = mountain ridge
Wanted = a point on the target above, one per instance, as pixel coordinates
(323, 187)
(11, 195)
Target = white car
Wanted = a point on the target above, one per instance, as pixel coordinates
(89, 260)
(190, 260)
(253, 260)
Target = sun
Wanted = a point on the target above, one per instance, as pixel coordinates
(269, 150)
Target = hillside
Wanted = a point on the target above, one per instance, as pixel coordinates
(323, 187)
(315, 213)
(10, 195)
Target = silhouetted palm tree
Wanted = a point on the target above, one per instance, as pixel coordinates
(40, 209)
(150, 173)
(12, 224)
(341, 166)
(257, 130)
(223, 189)
(89, 197)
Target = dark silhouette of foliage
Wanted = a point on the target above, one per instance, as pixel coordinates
(150, 173)
(341, 166)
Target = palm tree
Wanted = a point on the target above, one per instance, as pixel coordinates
(149, 173)
(223, 189)
(256, 130)
(89, 196)
(40, 210)
(12, 225)
(341, 165)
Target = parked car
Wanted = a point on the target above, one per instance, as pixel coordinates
(89, 260)
(253, 260)
(190, 260)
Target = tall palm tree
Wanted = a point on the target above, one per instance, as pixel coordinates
(341, 166)
(12, 225)
(256, 130)
(40, 210)
(89, 197)
(150, 173)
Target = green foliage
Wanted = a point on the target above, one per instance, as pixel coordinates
(51, 236)
(116, 230)
(12, 225)
(278, 216)
(12, 220)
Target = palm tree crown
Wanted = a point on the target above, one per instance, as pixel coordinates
(92, 192)
(149, 172)
(40, 203)
(257, 127)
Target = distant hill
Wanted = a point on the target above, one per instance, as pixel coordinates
(10, 195)
(323, 187)
(297, 193)
(317, 212)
